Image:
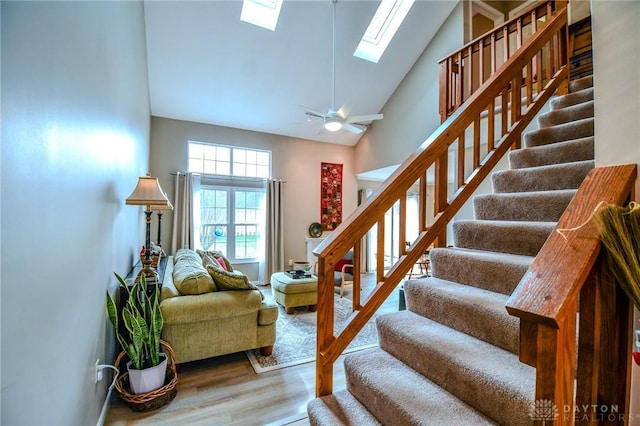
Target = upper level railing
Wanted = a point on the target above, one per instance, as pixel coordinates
(452, 183)
(465, 70)
(568, 269)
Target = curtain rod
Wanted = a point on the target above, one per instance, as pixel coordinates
(239, 178)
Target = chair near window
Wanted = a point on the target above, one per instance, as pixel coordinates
(343, 272)
(423, 264)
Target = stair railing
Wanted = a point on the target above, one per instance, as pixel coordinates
(465, 70)
(568, 296)
(429, 165)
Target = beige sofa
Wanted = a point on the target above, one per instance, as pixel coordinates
(209, 311)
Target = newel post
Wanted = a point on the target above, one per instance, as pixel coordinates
(324, 365)
(555, 366)
(605, 345)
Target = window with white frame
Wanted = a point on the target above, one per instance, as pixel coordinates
(231, 198)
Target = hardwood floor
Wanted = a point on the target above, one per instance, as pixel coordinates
(226, 391)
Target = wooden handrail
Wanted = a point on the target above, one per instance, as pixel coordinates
(465, 70)
(546, 300)
(448, 140)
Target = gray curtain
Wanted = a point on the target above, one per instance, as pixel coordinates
(186, 216)
(274, 231)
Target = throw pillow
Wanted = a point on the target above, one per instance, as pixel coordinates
(226, 280)
(217, 255)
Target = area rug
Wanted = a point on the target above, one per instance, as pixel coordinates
(296, 336)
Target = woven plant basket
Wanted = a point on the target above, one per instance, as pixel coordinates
(150, 400)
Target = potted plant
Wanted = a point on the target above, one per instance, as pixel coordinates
(140, 337)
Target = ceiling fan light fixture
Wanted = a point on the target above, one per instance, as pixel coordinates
(332, 124)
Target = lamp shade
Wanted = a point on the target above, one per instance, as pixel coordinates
(148, 193)
(163, 207)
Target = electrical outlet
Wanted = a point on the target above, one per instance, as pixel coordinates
(98, 375)
(290, 263)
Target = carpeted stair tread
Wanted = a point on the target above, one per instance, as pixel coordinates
(566, 115)
(398, 395)
(542, 178)
(557, 153)
(498, 272)
(339, 409)
(516, 237)
(545, 206)
(581, 83)
(488, 378)
(562, 132)
(573, 98)
(477, 312)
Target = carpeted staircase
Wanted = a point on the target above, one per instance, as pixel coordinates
(451, 357)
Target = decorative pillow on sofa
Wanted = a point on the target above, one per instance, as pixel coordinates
(190, 277)
(218, 256)
(226, 280)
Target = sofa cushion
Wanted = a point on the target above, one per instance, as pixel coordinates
(226, 280)
(168, 289)
(190, 277)
(185, 253)
(210, 306)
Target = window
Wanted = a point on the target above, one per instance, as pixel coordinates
(223, 160)
(382, 28)
(231, 198)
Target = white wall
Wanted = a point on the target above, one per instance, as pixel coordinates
(411, 114)
(297, 161)
(75, 127)
(616, 63)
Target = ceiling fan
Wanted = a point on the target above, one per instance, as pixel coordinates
(337, 119)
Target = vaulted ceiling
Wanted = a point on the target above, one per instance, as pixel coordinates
(207, 66)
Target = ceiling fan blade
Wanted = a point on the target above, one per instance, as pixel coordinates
(364, 118)
(352, 128)
(343, 112)
(312, 111)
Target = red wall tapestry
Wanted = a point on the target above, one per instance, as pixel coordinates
(331, 196)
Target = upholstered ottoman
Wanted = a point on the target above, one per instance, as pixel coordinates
(294, 292)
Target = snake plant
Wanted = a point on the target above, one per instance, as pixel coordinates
(142, 321)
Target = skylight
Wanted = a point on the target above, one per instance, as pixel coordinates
(263, 13)
(382, 28)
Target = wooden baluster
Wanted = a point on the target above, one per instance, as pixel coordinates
(470, 72)
(505, 110)
(505, 43)
(440, 187)
(452, 85)
(357, 254)
(459, 82)
(536, 75)
(519, 33)
(516, 105)
(481, 63)
(402, 226)
(444, 90)
(476, 143)
(491, 130)
(380, 250)
(422, 207)
(461, 154)
(493, 53)
(529, 80)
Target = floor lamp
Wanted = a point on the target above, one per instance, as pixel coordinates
(148, 193)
